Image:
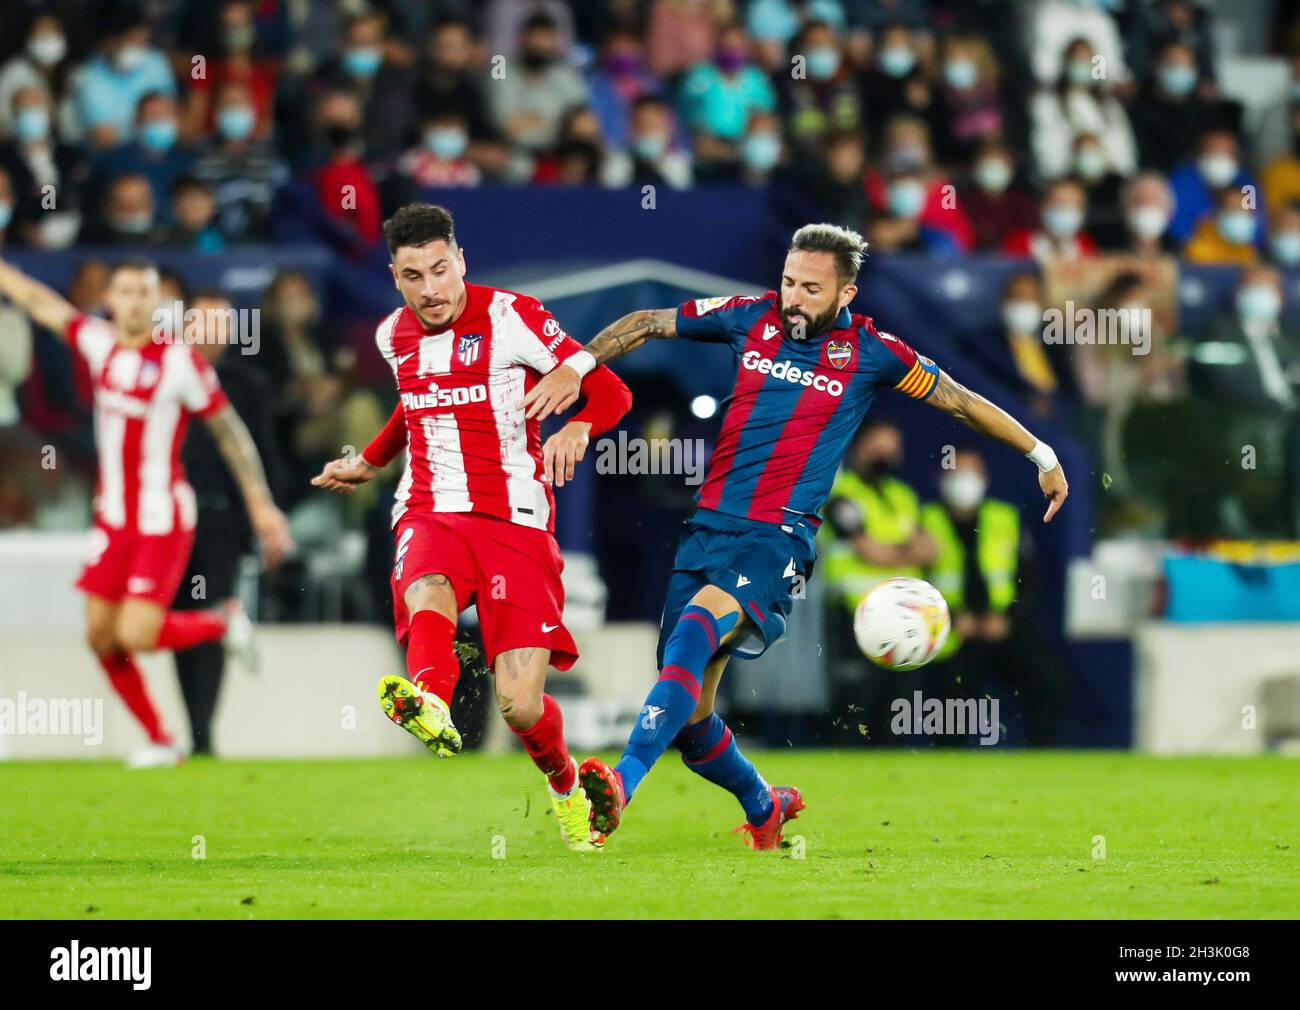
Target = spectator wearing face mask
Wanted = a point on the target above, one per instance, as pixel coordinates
(1103, 186)
(377, 69)
(128, 215)
(155, 150)
(34, 162)
(1148, 205)
(529, 103)
(617, 81)
(651, 155)
(896, 83)
(243, 172)
(194, 217)
(969, 106)
(1022, 359)
(873, 518)
(239, 58)
(1060, 232)
(907, 149)
(825, 97)
(1228, 233)
(1175, 106)
(1250, 356)
(996, 202)
(1080, 102)
(345, 189)
(900, 228)
(1284, 236)
(43, 63)
(108, 89)
(1198, 185)
(717, 98)
(578, 157)
(982, 569)
(1054, 24)
(449, 79)
(1280, 177)
(441, 156)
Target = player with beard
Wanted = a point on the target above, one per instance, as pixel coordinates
(808, 372)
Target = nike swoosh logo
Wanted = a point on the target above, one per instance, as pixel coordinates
(548, 627)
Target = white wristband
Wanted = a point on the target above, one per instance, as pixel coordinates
(581, 362)
(1042, 456)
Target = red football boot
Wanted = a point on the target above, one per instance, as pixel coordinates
(787, 801)
(605, 793)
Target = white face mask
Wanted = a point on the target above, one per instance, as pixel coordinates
(1148, 221)
(47, 48)
(963, 489)
(1217, 169)
(1022, 316)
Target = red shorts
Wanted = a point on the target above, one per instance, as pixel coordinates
(124, 563)
(510, 572)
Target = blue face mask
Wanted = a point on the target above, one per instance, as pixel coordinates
(32, 124)
(1286, 247)
(1259, 302)
(6, 215)
(1237, 227)
(651, 147)
(906, 199)
(761, 151)
(362, 62)
(772, 20)
(236, 122)
(158, 135)
(961, 74)
(823, 62)
(897, 61)
(448, 143)
(1178, 78)
(1062, 221)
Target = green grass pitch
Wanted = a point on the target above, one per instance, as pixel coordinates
(935, 834)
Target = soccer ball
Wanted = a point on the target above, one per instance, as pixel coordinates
(902, 623)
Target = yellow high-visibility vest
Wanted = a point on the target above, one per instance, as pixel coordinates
(997, 545)
(891, 513)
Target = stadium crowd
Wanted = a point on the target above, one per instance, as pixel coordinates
(1054, 131)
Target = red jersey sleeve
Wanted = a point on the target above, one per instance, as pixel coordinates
(391, 440)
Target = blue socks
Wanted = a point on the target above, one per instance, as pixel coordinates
(672, 700)
(709, 750)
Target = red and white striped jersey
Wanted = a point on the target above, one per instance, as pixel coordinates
(469, 447)
(143, 399)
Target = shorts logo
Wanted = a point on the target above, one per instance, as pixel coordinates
(403, 545)
(138, 584)
(469, 347)
(548, 628)
(839, 352)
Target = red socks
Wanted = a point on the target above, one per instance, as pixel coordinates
(184, 628)
(128, 682)
(430, 657)
(544, 741)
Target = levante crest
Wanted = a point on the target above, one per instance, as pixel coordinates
(838, 352)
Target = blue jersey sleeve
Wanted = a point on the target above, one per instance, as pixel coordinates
(714, 320)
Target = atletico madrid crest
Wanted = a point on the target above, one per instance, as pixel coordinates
(469, 347)
(838, 352)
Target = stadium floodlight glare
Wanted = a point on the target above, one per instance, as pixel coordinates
(704, 407)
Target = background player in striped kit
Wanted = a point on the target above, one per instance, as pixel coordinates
(146, 389)
(808, 372)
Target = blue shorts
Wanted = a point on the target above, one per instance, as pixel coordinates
(765, 566)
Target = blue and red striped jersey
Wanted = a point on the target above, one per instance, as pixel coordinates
(796, 403)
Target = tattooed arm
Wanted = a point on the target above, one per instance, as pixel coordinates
(987, 418)
(558, 389)
(237, 449)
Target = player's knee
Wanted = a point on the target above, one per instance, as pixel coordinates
(520, 708)
(135, 636)
(431, 592)
(100, 639)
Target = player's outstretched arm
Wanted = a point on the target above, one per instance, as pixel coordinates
(348, 473)
(45, 305)
(988, 418)
(557, 391)
(240, 453)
